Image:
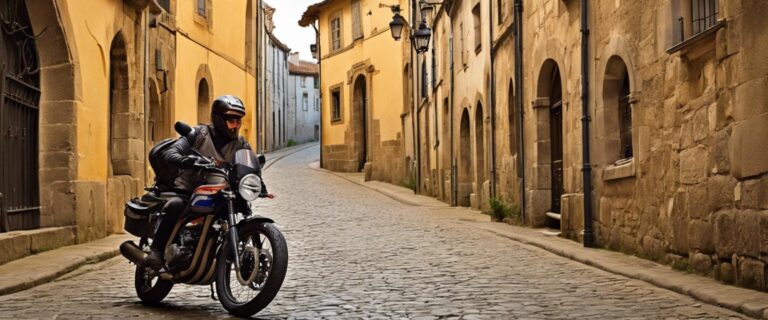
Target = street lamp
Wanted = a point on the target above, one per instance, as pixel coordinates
(396, 26)
(420, 37)
(313, 49)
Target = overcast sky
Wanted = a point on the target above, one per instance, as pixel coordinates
(287, 29)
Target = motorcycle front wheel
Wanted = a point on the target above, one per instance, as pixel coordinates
(263, 263)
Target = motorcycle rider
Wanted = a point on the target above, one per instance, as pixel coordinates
(219, 140)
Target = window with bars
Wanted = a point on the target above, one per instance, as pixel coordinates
(357, 21)
(625, 120)
(336, 33)
(694, 17)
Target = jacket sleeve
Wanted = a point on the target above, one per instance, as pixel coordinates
(177, 151)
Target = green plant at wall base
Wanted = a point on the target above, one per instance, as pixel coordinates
(291, 143)
(502, 211)
(410, 183)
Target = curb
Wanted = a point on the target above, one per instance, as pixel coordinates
(34, 270)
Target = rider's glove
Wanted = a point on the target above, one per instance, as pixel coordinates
(189, 162)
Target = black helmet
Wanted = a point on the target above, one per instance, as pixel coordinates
(227, 107)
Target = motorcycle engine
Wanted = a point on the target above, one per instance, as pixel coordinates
(178, 256)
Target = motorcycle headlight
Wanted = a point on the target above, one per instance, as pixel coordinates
(250, 187)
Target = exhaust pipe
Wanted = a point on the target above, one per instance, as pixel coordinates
(132, 252)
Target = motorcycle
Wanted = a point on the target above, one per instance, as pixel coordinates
(216, 240)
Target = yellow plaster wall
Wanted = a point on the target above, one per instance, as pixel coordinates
(226, 35)
(381, 51)
(93, 31)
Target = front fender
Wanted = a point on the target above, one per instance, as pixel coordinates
(254, 219)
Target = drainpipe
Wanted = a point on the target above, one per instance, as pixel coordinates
(146, 90)
(319, 85)
(259, 91)
(454, 183)
(589, 236)
(492, 79)
(519, 103)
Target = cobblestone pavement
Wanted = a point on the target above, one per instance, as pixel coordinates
(355, 253)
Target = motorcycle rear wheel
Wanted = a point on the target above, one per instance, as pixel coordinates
(272, 265)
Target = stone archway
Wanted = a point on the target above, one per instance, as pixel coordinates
(59, 98)
(547, 182)
(119, 108)
(465, 161)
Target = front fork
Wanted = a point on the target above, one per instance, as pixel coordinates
(232, 230)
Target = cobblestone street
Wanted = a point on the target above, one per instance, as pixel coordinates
(355, 253)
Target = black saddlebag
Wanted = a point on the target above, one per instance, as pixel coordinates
(138, 220)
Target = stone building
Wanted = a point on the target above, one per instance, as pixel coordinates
(677, 124)
(86, 92)
(362, 69)
(303, 121)
(275, 85)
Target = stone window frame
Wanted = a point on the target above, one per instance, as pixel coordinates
(332, 38)
(305, 102)
(337, 115)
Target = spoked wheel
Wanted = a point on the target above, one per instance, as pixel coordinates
(150, 288)
(263, 263)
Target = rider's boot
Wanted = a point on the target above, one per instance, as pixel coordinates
(155, 259)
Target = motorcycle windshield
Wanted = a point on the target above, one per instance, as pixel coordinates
(245, 163)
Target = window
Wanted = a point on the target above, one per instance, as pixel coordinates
(305, 102)
(357, 23)
(317, 104)
(501, 8)
(625, 120)
(434, 64)
(201, 8)
(336, 32)
(694, 17)
(478, 28)
(166, 5)
(336, 104)
(316, 82)
(303, 81)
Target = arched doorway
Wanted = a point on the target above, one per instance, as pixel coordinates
(480, 172)
(119, 108)
(203, 102)
(556, 144)
(465, 161)
(19, 115)
(359, 121)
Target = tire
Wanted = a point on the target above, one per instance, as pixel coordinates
(151, 294)
(269, 287)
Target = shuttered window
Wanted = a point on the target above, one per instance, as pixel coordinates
(357, 23)
(335, 33)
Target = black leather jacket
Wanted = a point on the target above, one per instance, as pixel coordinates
(176, 155)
